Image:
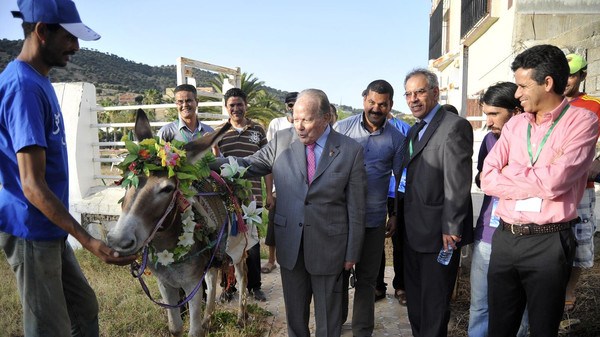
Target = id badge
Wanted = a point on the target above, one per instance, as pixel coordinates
(402, 184)
(494, 220)
(529, 205)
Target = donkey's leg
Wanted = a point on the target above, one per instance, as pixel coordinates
(211, 284)
(195, 305)
(242, 280)
(171, 296)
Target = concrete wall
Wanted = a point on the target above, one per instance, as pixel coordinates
(76, 101)
(559, 6)
(579, 33)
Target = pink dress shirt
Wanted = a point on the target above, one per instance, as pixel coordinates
(559, 175)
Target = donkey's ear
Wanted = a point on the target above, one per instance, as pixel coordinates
(142, 128)
(199, 146)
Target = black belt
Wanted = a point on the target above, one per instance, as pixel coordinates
(532, 228)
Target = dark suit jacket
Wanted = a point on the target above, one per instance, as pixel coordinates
(329, 215)
(438, 184)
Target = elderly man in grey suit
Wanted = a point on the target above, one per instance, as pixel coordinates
(320, 211)
(435, 188)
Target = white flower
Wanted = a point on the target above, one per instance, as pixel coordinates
(251, 213)
(186, 239)
(188, 224)
(229, 170)
(188, 213)
(165, 257)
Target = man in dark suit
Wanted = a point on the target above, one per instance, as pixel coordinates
(320, 211)
(435, 189)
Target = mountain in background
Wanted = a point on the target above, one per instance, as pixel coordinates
(113, 74)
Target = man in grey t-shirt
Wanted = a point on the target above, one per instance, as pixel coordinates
(187, 127)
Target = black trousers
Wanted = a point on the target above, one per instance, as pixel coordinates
(530, 270)
(429, 286)
(398, 256)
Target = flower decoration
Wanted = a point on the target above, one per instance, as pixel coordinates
(251, 213)
(186, 239)
(230, 169)
(165, 257)
(154, 155)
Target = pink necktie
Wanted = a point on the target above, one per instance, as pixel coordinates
(310, 162)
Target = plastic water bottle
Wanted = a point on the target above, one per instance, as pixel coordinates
(445, 256)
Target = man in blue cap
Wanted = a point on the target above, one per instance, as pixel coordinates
(34, 219)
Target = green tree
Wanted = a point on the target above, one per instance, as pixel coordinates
(262, 106)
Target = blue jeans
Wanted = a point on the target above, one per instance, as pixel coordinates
(56, 298)
(479, 315)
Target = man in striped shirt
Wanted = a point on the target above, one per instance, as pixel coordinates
(245, 138)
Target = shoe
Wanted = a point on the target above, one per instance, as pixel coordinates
(379, 296)
(401, 298)
(259, 295)
(267, 268)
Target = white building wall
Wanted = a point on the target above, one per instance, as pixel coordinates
(490, 56)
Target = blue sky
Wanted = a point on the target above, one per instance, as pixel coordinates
(337, 46)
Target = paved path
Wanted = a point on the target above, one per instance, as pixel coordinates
(390, 318)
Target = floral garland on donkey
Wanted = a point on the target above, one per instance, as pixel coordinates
(154, 155)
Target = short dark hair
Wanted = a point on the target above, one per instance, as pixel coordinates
(380, 87)
(236, 92)
(502, 95)
(545, 60)
(450, 108)
(29, 27)
(332, 109)
(186, 87)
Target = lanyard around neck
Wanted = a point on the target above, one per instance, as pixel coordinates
(185, 137)
(537, 154)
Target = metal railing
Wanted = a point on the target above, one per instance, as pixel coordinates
(117, 158)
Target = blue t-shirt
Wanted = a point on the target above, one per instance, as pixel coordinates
(30, 115)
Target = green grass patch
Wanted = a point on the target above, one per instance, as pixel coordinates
(124, 308)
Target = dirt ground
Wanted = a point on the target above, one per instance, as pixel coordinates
(587, 309)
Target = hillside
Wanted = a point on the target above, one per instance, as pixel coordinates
(109, 71)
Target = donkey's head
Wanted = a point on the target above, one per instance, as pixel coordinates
(148, 200)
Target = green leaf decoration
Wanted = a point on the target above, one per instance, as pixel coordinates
(128, 160)
(132, 147)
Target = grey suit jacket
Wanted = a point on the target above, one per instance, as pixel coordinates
(438, 184)
(329, 216)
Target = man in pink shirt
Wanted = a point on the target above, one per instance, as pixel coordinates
(538, 169)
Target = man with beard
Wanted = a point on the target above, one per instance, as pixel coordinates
(187, 127)
(34, 179)
(538, 169)
(584, 230)
(435, 187)
(499, 105)
(383, 153)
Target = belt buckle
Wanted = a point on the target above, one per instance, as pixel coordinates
(512, 228)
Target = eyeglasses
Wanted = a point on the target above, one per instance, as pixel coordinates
(290, 105)
(187, 101)
(419, 93)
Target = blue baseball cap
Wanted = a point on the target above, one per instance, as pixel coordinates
(62, 12)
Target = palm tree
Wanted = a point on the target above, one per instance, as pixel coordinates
(262, 106)
(249, 84)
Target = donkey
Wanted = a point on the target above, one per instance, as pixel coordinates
(142, 208)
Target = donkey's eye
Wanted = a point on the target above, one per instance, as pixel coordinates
(167, 189)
